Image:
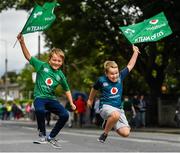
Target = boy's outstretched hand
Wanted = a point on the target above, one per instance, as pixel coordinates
(89, 103)
(73, 107)
(136, 49)
(20, 37)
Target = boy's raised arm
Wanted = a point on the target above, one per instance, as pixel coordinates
(133, 58)
(23, 46)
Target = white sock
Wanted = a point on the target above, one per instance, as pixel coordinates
(49, 137)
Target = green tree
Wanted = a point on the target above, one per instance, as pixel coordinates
(11, 75)
(25, 81)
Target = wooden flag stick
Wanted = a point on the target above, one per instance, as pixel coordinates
(15, 43)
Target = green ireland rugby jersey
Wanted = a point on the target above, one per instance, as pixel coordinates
(47, 79)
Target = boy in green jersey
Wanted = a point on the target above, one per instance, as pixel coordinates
(49, 76)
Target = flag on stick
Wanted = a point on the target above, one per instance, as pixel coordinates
(152, 29)
(40, 18)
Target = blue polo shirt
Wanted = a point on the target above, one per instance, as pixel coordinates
(111, 92)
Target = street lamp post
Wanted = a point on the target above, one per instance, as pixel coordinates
(6, 64)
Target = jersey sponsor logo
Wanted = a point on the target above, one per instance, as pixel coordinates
(114, 90)
(49, 81)
(154, 21)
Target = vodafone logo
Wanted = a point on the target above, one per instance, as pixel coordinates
(153, 21)
(49, 81)
(114, 90)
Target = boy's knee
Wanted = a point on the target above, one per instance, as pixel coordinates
(124, 132)
(64, 116)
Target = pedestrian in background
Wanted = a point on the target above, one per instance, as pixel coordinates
(49, 76)
(129, 109)
(81, 109)
(177, 114)
(98, 118)
(136, 104)
(142, 110)
(110, 87)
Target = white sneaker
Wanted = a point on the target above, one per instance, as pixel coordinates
(41, 140)
(54, 143)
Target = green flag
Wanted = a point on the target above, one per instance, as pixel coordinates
(41, 18)
(152, 29)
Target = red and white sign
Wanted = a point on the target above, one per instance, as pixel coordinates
(49, 81)
(114, 90)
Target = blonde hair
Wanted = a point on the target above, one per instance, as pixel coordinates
(109, 64)
(57, 51)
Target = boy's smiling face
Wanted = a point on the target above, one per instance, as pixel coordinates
(56, 61)
(113, 74)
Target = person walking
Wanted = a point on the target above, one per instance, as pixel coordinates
(177, 114)
(129, 110)
(142, 109)
(81, 109)
(110, 87)
(136, 104)
(98, 118)
(49, 76)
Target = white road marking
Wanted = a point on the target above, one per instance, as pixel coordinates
(5, 142)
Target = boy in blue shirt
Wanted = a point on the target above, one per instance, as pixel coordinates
(110, 86)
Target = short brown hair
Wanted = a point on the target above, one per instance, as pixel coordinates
(57, 51)
(109, 64)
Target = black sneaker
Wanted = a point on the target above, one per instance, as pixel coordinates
(102, 138)
(54, 143)
(104, 124)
